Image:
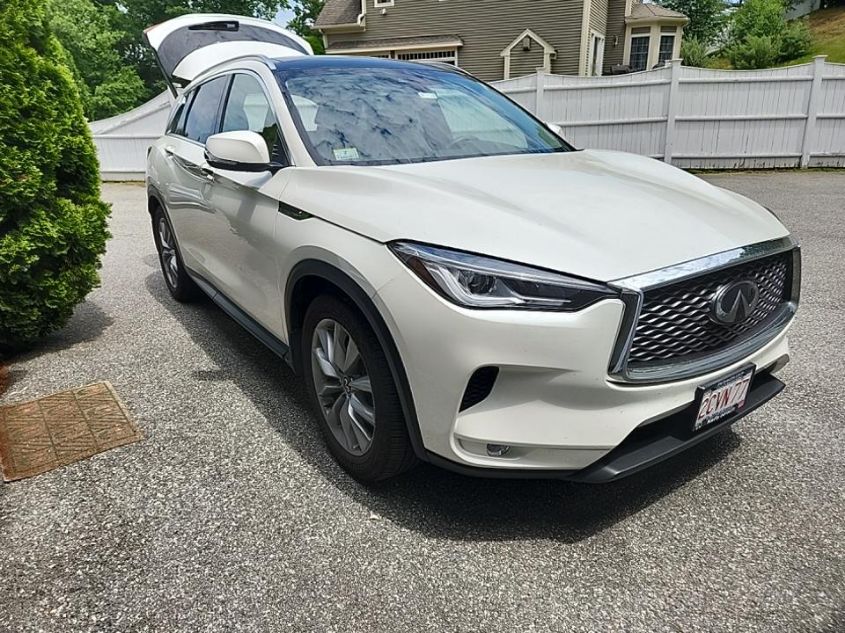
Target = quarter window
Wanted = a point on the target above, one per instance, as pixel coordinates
(247, 108)
(202, 115)
(639, 52)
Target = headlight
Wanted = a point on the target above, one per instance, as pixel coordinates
(474, 281)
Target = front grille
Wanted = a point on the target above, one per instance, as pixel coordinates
(675, 323)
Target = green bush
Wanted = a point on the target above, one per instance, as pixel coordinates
(761, 18)
(694, 52)
(795, 41)
(52, 222)
(761, 37)
(757, 51)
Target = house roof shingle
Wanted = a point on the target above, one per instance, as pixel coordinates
(337, 12)
(648, 11)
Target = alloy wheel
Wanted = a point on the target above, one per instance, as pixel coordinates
(343, 386)
(169, 262)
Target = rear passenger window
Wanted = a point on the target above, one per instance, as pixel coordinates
(202, 114)
(247, 108)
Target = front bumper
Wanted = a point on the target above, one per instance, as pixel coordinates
(644, 447)
(553, 402)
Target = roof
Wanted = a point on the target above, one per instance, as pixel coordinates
(423, 41)
(318, 64)
(653, 12)
(338, 12)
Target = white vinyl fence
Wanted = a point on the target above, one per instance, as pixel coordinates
(690, 117)
(122, 140)
(700, 118)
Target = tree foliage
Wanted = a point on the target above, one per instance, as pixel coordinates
(107, 85)
(52, 222)
(706, 18)
(761, 37)
(693, 52)
(305, 13)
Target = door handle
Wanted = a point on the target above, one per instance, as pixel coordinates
(169, 150)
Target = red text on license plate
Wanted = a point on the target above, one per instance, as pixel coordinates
(723, 399)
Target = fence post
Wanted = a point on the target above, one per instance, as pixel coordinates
(812, 107)
(672, 108)
(539, 105)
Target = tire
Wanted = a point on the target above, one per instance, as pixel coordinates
(181, 286)
(347, 398)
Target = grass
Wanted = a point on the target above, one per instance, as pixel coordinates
(828, 29)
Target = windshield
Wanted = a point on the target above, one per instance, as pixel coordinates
(402, 113)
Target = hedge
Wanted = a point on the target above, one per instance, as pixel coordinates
(52, 221)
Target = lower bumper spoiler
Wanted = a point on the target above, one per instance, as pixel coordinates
(644, 447)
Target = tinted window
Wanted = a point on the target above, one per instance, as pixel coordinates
(202, 115)
(247, 108)
(177, 123)
(401, 113)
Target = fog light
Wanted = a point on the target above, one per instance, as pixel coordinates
(498, 450)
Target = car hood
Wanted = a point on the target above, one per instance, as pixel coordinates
(596, 214)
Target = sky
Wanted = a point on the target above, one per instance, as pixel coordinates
(284, 16)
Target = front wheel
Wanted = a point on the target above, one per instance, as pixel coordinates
(352, 388)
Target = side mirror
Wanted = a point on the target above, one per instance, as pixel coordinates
(238, 151)
(554, 127)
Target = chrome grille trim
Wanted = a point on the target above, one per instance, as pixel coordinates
(633, 291)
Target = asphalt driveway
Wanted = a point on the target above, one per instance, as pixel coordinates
(230, 516)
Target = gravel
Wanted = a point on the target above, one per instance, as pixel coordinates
(230, 516)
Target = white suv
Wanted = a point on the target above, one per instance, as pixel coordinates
(456, 283)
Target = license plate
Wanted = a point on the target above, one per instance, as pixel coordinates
(722, 398)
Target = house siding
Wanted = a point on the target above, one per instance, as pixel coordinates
(526, 62)
(486, 31)
(613, 55)
(598, 15)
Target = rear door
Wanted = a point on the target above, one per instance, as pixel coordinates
(187, 46)
(188, 189)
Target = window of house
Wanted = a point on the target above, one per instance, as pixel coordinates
(247, 108)
(202, 116)
(382, 3)
(639, 52)
(445, 56)
(667, 46)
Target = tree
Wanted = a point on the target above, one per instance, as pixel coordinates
(107, 85)
(305, 13)
(706, 18)
(52, 222)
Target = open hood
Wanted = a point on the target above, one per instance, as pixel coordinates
(187, 46)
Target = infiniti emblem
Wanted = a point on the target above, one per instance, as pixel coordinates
(734, 302)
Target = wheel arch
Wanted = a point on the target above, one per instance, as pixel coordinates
(311, 278)
(154, 200)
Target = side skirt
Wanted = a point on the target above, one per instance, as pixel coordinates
(243, 319)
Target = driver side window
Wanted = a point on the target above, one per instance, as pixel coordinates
(247, 108)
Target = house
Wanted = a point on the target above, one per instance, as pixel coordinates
(500, 39)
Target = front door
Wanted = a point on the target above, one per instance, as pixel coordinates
(244, 215)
